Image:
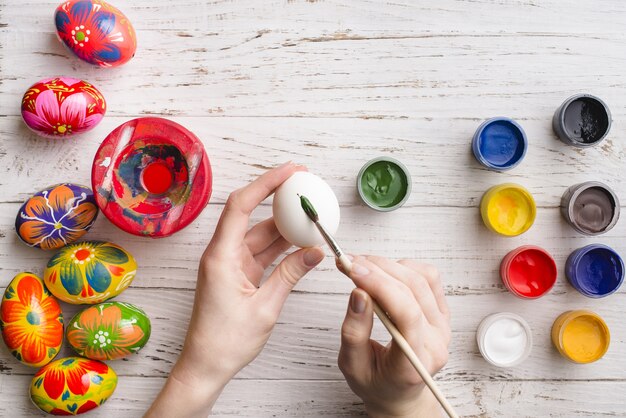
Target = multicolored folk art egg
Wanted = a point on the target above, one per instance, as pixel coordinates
(31, 321)
(89, 272)
(72, 386)
(56, 216)
(108, 331)
(62, 106)
(96, 32)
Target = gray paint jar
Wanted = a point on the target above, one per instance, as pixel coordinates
(582, 121)
(591, 208)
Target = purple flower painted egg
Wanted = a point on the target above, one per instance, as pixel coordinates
(62, 106)
(56, 216)
(96, 32)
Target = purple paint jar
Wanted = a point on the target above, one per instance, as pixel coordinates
(595, 270)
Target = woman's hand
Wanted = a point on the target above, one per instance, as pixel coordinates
(382, 376)
(232, 316)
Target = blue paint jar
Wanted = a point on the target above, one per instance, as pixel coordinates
(499, 143)
(595, 270)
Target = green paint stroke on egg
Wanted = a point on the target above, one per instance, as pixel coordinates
(109, 331)
(384, 184)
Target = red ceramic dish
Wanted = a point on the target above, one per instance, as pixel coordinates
(151, 177)
(528, 271)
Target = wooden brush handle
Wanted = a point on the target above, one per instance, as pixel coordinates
(406, 348)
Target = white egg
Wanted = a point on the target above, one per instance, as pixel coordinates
(292, 223)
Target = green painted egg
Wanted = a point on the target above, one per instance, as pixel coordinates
(89, 272)
(72, 386)
(108, 331)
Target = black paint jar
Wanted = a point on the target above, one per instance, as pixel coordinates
(582, 120)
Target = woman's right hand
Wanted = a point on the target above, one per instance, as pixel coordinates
(382, 376)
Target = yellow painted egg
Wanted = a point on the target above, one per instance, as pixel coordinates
(72, 386)
(89, 272)
(31, 321)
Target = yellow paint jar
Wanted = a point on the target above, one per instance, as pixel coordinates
(581, 336)
(508, 209)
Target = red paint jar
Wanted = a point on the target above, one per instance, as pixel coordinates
(528, 271)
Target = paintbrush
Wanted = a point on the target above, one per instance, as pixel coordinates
(397, 336)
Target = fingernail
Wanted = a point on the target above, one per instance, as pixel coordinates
(357, 302)
(312, 257)
(350, 257)
(359, 270)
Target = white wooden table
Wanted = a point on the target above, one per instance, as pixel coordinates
(330, 84)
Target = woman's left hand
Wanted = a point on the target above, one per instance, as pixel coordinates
(233, 314)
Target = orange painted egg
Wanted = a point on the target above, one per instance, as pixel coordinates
(62, 106)
(96, 32)
(89, 272)
(31, 321)
(72, 386)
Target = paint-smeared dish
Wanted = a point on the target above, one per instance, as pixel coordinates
(151, 177)
(591, 208)
(581, 336)
(499, 143)
(528, 271)
(384, 184)
(595, 270)
(582, 120)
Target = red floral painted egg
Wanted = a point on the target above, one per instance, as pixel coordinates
(31, 321)
(96, 32)
(62, 106)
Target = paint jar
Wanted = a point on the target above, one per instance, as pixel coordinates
(581, 336)
(591, 208)
(508, 209)
(384, 184)
(528, 272)
(504, 339)
(582, 120)
(499, 144)
(595, 270)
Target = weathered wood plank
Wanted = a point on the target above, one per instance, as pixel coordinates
(305, 342)
(437, 153)
(327, 399)
(453, 239)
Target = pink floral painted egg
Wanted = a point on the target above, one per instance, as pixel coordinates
(96, 32)
(62, 106)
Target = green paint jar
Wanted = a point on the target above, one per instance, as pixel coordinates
(384, 184)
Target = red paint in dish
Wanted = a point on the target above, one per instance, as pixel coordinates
(157, 178)
(528, 272)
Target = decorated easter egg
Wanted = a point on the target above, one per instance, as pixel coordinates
(89, 272)
(72, 386)
(56, 216)
(31, 321)
(95, 32)
(62, 106)
(291, 220)
(109, 331)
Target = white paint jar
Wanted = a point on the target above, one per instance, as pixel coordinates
(504, 339)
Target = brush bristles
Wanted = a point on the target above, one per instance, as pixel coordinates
(308, 208)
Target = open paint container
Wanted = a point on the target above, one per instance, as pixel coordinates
(504, 339)
(591, 208)
(151, 177)
(528, 272)
(508, 209)
(595, 270)
(582, 120)
(499, 144)
(384, 184)
(581, 336)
